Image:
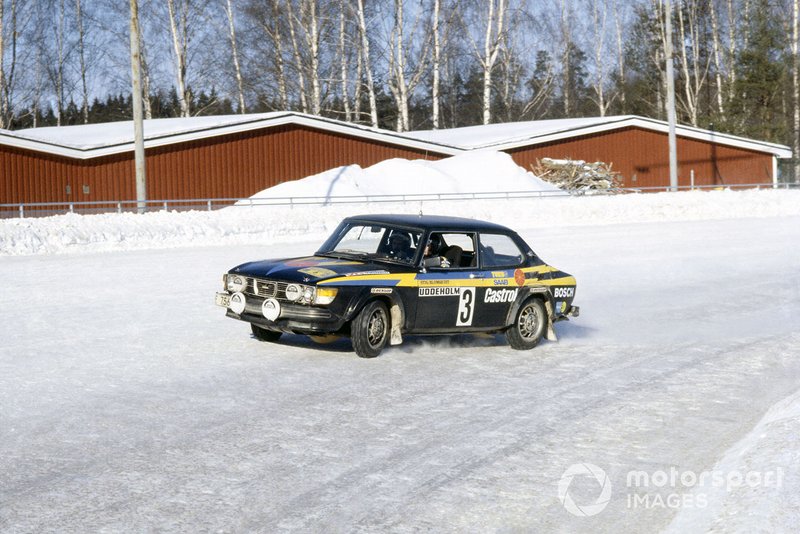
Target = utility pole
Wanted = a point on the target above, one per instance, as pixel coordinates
(138, 128)
(673, 151)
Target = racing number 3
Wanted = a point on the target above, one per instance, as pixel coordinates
(466, 306)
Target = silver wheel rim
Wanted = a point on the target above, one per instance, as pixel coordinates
(530, 322)
(376, 328)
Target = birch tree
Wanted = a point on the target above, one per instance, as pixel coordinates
(7, 71)
(343, 64)
(367, 63)
(82, 58)
(179, 30)
(57, 71)
(599, 13)
(492, 44)
(694, 67)
(398, 83)
(436, 66)
(235, 56)
(796, 86)
(296, 54)
(620, 56)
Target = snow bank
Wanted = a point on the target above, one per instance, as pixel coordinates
(269, 224)
(766, 500)
(473, 172)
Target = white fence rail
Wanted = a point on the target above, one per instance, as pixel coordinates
(42, 209)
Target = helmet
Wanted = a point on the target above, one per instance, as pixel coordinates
(435, 243)
(399, 240)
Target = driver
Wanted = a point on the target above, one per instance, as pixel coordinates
(400, 246)
(431, 256)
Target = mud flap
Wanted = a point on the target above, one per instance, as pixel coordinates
(550, 335)
(395, 338)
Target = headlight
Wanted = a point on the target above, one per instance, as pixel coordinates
(236, 282)
(325, 295)
(308, 294)
(293, 292)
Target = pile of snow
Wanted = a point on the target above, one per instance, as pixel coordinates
(764, 498)
(472, 172)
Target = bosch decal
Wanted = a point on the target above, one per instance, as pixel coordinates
(564, 292)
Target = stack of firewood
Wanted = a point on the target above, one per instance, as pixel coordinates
(577, 176)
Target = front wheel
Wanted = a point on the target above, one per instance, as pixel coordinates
(370, 329)
(262, 334)
(529, 326)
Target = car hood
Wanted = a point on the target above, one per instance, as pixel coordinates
(311, 269)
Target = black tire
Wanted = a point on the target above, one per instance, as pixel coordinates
(262, 334)
(370, 330)
(529, 325)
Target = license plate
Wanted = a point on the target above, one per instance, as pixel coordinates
(223, 299)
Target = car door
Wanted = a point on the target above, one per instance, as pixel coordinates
(446, 296)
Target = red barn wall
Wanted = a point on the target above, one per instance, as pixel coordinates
(642, 157)
(239, 165)
(231, 166)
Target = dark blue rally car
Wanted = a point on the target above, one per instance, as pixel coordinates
(378, 277)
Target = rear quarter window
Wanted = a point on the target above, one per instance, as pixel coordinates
(498, 250)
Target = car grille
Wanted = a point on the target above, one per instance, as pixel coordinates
(266, 288)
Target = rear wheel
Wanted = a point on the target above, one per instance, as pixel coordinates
(370, 329)
(262, 334)
(529, 326)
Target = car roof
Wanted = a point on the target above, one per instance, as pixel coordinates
(438, 222)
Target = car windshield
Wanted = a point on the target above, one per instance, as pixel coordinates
(373, 242)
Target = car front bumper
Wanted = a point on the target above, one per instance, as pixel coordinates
(296, 318)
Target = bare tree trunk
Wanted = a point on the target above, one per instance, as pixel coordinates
(599, 27)
(493, 39)
(398, 84)
(145, 73)
(620, 57)
(312, 42)
(274, 32)
(297, 58)
(343, 61)
(4, 103)
(717, 59)
(796, 85)
(690, 103)
(235, 53)
(436, 65)
(180, 44)
(7, 71)
(81, 54)
(566, 58)
(358, 86)
(362, 25)
(60, 36)
(732, 52)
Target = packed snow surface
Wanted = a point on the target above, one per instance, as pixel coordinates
(130, 403)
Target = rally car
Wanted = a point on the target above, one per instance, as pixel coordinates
(378, 277)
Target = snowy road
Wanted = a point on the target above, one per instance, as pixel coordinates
(129, 402)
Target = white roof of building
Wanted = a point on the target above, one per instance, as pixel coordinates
(94, 140)
(519, 134)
